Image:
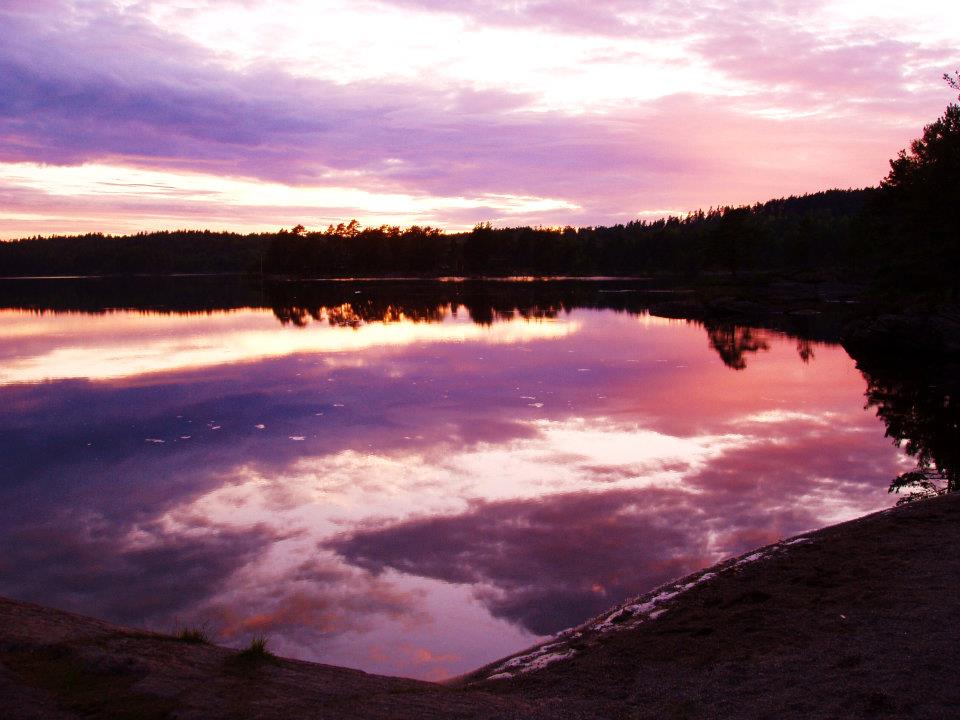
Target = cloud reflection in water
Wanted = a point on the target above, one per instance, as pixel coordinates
(455, 495)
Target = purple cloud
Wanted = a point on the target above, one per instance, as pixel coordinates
(86, 82)
(552, 562)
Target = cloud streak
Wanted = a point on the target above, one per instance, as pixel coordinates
(607, 114)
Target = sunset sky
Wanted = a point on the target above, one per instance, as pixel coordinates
(125, 115)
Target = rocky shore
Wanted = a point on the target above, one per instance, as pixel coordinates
(852, 621)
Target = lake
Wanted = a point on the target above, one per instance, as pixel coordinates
(411, 478)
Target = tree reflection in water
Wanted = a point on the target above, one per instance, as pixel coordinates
(731, 342)
(918, 404)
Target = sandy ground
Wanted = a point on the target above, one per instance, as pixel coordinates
(854, 621)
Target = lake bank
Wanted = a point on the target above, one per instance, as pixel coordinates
(854, 620)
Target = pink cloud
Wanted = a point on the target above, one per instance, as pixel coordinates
(111, 87)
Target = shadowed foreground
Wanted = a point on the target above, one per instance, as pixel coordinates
(856, 620)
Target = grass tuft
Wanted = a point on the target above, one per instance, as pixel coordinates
(193, 635)
(253, 657)
(257, 651)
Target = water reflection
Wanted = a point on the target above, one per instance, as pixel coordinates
(733, 342)
(917, 401)
(410, 484)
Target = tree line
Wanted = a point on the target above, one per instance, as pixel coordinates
(807, 232)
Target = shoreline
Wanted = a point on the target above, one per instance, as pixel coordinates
(815, 306)
(811, 626)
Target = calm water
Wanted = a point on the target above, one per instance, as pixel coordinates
(408, 491)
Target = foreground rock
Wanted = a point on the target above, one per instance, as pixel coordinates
(856, 620)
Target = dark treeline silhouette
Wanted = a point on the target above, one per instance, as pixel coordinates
(797, 233)
(911, 226)
(157, 253)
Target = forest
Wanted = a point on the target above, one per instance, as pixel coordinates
(808, 232)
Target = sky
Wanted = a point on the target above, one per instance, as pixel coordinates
(127, 115)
